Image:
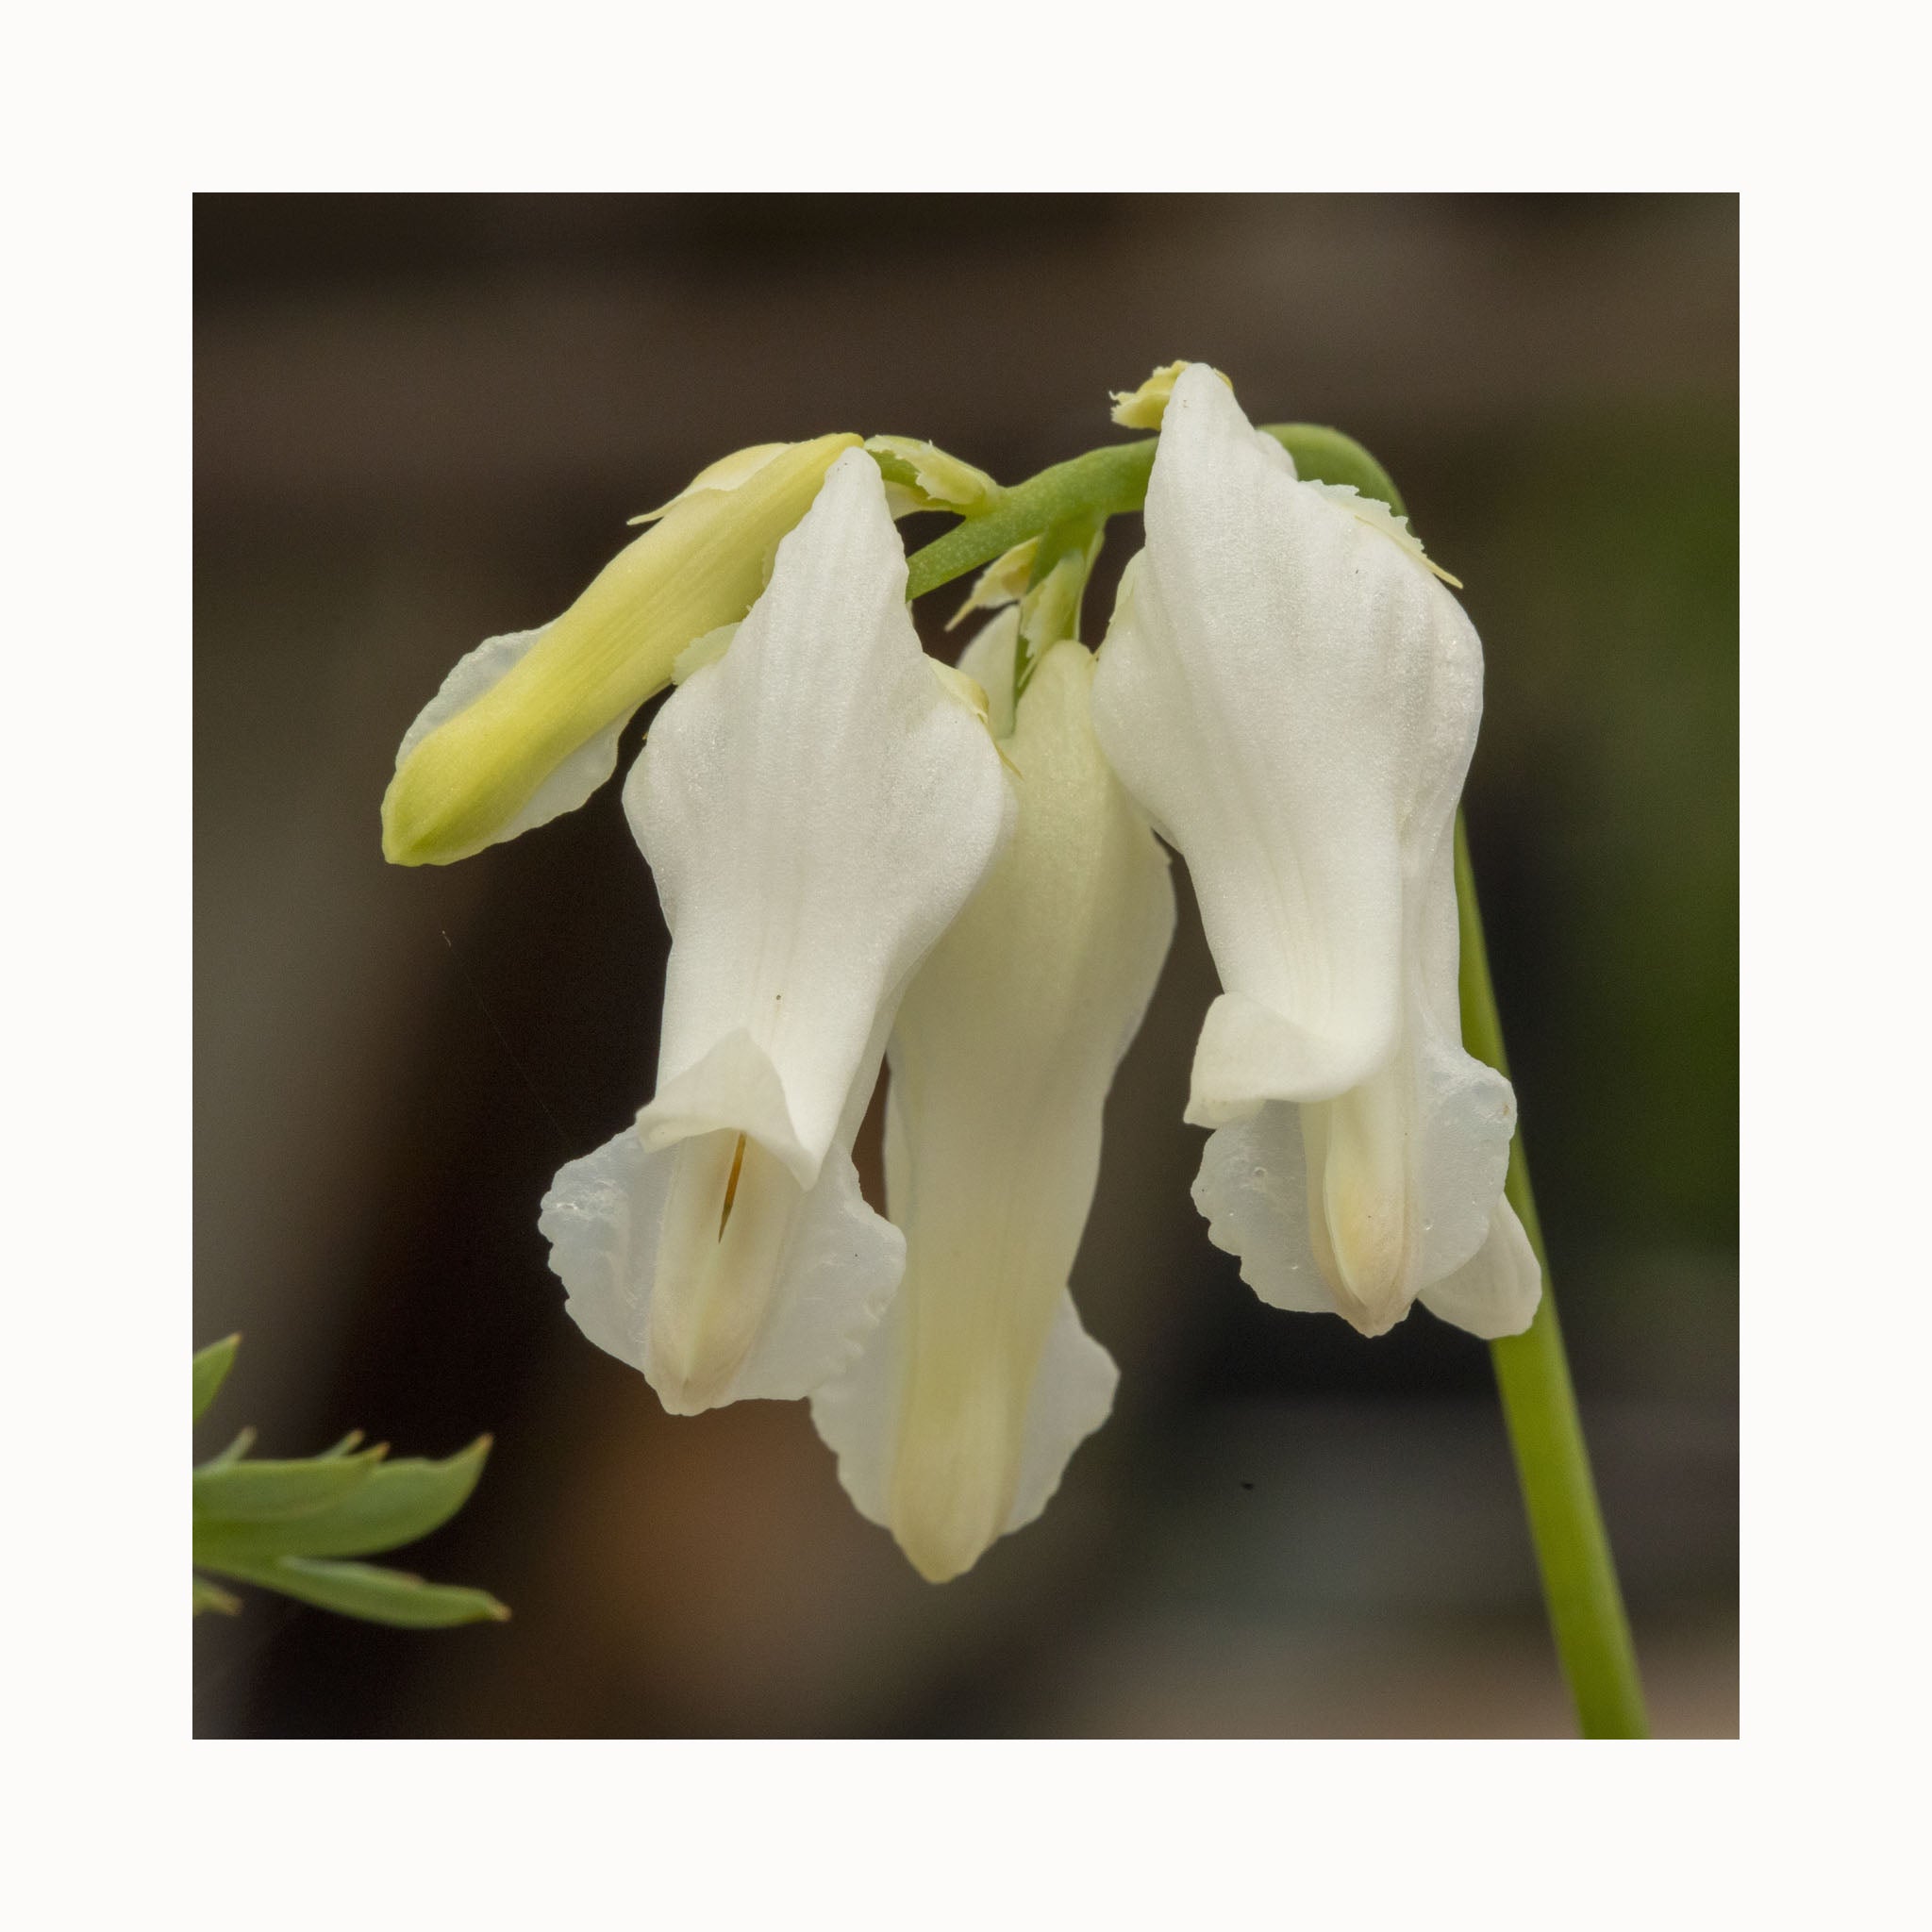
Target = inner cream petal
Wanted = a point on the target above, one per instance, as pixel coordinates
(726, 1224)
(972, 1343)
(1359, 1198)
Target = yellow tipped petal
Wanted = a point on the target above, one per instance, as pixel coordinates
(958, 1461)
(954, 1425)
(480, 775)
(1143, 408)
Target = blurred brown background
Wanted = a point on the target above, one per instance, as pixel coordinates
(423, 421)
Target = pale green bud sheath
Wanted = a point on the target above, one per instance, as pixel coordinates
(700, 566)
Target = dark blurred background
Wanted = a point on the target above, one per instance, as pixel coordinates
(423, 421)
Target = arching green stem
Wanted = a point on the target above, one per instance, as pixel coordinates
(1540, 1406)
(1107, 482)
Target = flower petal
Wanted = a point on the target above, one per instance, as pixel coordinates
(569, 783)
(1284, 687)
(1359, 1204)
(475, 774)
(1253, 1190)
(727, 473)
(816, 809)
(836, 1265)
(817, 806)
(1496, 1291)
(976, 1388)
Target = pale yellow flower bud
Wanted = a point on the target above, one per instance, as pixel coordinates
(472, 779)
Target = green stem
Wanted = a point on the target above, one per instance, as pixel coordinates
(1540, 1406)
(1111, 481)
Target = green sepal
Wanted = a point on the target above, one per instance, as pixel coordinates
(397, 1503)
(212, 1368)
(367, 1590)
(274, 1491)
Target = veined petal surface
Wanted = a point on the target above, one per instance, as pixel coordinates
(1289, 694)
(970, 1396)
(1293, 695)
(816, 808)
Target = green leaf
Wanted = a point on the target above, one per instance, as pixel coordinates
(274, 1491)
(364, 1590)
(243, 1442)
(206, 1597)
(401, 1501)
(212, 1368)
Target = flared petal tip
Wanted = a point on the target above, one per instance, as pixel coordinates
(1249, 1055)
(692, 1388)
(944, 1533)
(735, 1086)
(1497, 1293)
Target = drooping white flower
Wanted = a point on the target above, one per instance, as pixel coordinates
(526, 726)
(816, 805)
(1293, 695)
(956, 1422)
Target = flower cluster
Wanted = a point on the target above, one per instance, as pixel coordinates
(865, 855)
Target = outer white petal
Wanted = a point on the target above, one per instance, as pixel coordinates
(570, 782)
(816, 809)
(1496, 1291)
(976, 1388)
(1293, 694)
(1253, 1189)
(1414, 1157)
(1282, 687)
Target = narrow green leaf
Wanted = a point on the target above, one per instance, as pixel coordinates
(377, 1595)
(243, 1442)
(274, 1491)
(206, 1597)
(401, 1501)
(342, 1448)
(212, 1368)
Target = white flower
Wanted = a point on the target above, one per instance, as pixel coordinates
(956, 1422)
(816, 805)
(1293, 695)
(526, 727)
